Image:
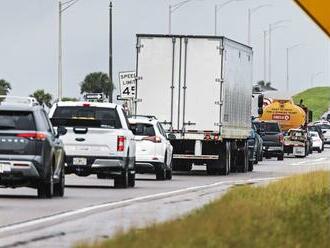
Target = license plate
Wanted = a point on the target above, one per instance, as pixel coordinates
(79, 161)
(299, 150)
(5, 168)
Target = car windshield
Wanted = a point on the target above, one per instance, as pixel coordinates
(86, 117)
(17, 120)
(268, 127)
(141, 129)
(324, 126)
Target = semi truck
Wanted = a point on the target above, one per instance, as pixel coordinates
(200, 88)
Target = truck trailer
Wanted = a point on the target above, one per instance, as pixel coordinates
(200, 88)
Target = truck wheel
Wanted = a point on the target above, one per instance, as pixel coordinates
(121, 181)
(261, 157)
(222, 166)
(131, 180)
(280, 157)
(251, 165)
(169, 174)
(60, 186)
(161, 174)
(46, 187)
(211, 169)
(243, 159)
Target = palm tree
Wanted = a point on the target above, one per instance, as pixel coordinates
(42, 97)
(5, 87)
(97, 82)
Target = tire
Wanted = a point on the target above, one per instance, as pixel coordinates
(169, 174)
(251, 165)
(319, 150)
(243, 159)
(121, 181)
(211, 170)
(161, 174)
(261, 157)
(131, 180)
(280, 157)
(60, 186)
(46, 187)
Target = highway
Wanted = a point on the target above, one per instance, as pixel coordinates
(92, 208)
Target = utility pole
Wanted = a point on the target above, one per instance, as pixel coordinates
(59, 83)
(110, 51)
(215, 19)
(265, 56)
(270, 53)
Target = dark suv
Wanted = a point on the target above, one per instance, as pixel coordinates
(272, 137)
(31, 153)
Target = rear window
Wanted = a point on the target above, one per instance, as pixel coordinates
(141, 129)
(324, 126)
(17, 120)
(268, 127)
(86, 117)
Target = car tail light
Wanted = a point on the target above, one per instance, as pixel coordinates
(86, 104)
(121, 143)
(207, 137)
(154, 139)
(32, 136)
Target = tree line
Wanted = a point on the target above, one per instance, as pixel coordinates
(96, 82)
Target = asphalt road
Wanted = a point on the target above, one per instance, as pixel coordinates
(89, 201)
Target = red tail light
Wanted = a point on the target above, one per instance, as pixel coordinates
(121, 143)
(32, 136)
(154, 139)
(86, 104)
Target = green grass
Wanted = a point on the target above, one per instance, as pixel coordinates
(293, 212)
(317, 99)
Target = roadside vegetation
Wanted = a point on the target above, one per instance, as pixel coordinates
(293, 212)
(317, 99)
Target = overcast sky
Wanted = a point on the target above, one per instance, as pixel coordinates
(29, 35)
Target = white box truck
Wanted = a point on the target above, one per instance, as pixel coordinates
(200, 88)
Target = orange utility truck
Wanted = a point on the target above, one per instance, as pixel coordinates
(286, 113)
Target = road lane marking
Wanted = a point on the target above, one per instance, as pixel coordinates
(112, 205)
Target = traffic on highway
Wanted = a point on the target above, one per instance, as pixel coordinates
(189, 122)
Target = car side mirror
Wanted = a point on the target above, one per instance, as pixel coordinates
(324, 131)
(171, 136)
(61, 131)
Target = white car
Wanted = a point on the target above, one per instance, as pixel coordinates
(317, 141)
(325, 126)
(153, 149)
(98, 140)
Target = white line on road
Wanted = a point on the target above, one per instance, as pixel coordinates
(107, 206)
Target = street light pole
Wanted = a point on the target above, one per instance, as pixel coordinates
(250, 12)
(288, 49)
(110, 52)
(172, 9)
(61, 8)
(216, 10)
(272, 27)
(265, 56)
(59, 83)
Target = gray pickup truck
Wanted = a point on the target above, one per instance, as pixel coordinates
(272, 137)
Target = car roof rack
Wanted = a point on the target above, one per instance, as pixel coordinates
(18, 100)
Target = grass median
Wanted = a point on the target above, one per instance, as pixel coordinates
(293, 212)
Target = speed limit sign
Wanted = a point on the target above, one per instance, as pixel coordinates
(127, 82)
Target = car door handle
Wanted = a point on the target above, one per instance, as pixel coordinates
(80, 139)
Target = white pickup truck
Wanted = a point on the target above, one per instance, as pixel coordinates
(98, 140)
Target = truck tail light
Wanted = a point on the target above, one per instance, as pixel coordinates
(154, 139)
(121, 143)
(32, 136)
